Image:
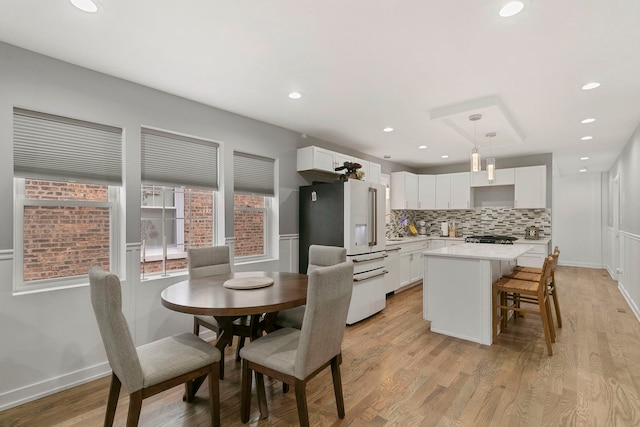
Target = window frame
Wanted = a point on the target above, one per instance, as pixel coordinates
(20, 202)
(268, 230)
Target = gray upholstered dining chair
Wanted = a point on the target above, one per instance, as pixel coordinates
(211, 261)
(294, 356)
(153, 367)
(319, 256)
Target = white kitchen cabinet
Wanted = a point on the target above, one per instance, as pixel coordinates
(437, 243)
(453, 191)
(404, 190)
(321, 159)
(535, 257)
(375, 171)
(460, 191)
(411, 262)
(392, 265)
(531, 187)
(426, 191)
(315, 158)
(502, 177)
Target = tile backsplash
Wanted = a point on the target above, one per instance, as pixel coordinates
(503, 221)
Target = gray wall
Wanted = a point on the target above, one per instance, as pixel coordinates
(627, 166)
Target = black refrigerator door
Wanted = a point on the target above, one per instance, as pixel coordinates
(321, 218)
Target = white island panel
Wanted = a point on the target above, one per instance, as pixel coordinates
(457, 287)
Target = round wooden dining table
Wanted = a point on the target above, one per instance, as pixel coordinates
(208, 296)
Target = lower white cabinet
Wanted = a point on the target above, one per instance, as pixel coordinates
(535, 257)
(411, 262)
(392, 265)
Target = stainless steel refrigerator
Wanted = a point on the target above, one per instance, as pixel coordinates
(349, 214)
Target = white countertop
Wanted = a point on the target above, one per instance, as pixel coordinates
(419, 238)
(481, 251)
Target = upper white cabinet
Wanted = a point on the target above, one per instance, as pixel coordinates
(316, 158)
(502, 177)
(531, 187)
(375, 171)
(404, 190)
(460, 191)
(426, 191)
(453, 191)
(321, 159)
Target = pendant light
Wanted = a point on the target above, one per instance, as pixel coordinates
(475, 154)
(491, 161)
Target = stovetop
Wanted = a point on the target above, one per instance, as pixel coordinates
(491, 238)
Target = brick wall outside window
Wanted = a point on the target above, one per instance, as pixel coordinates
(63, 241)
(248, 225)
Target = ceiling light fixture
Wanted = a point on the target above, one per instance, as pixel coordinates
(589, 120)
(85, 5)
(475, 154)
(586, 138)
(295, 95)
(583, 170)
(444, 156)
(388, 129)
(422, 147)
(584, 158)
(511, 8)
(590, 85)
(491, 161)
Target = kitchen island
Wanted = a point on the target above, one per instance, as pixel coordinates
(457, 287)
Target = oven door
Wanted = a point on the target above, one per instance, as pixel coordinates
(369, 284)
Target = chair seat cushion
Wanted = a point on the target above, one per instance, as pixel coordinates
(173, 356)
(276, 350)
(291, 318)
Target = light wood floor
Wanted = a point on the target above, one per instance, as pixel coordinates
(396, 373)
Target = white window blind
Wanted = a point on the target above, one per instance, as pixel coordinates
(176, 160)
(253, 174)
(46, 146)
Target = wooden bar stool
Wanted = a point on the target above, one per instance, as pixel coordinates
(533, 274)
(509, 294)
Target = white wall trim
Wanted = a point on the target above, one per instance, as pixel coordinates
(627, 297)
(6, 254)
(45, 388)
(580, 264)
(630, 235)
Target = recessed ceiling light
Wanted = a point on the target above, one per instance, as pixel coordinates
(85, 5)
(444, 156)
(590, 85)
(422, 147)
(295, 95)
(584, 158)
(589, 120)
(586, 138)
(388, 129)
(511, 8)
(583, 170)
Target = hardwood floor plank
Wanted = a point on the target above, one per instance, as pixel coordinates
(395, 372)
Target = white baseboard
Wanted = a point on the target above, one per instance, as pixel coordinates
(627, 297)
(36, 391)
(580, 264)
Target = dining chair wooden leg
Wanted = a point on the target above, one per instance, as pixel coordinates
(135, 405)
(239, 347)
(301, 402)
(337, 385)
(214, 394)
(112, 402)
(262, 396)
(545, 325)
(556, 304)
(245, 401)
(285, 388)
(188, 391)
(494, 313)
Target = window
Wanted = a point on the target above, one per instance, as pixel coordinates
(178, 198)
(254, 225)
(67, 177)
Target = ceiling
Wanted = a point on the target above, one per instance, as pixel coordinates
(419, 66)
